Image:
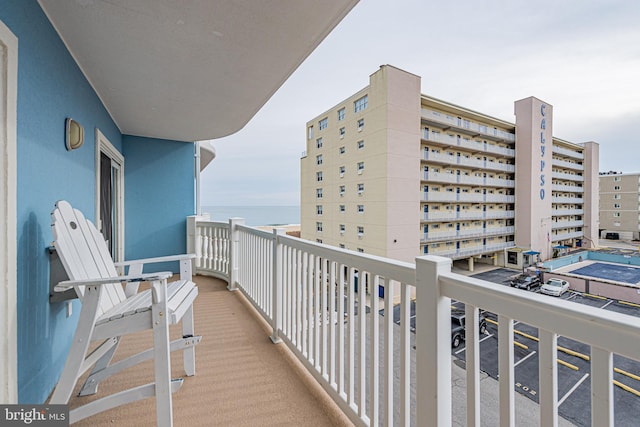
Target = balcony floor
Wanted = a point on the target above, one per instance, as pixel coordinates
(242, 378)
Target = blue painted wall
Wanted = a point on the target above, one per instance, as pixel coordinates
(51, 87)
(157, 198)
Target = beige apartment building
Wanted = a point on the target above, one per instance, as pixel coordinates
(393, 172)
(620, 205)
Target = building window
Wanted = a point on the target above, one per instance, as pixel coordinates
(342, 208)
(360, 208)
(319, 176)
(361, 250)
(616, 205)
(616, 196)
(342, 228)
(616, 188)
(322, 124)
(319, 159)
(342, 132)
(342, 169)
(361, 103)
(341, 149)
(616, 214)
(360, 189)
(341, 114)
(360, 231)
(318, 227)
(342, 190)
(341, 245)
(360, 167)
(319, 193)
(319, 143)
(310, 132)
(318, 209)
(319, 240)
(617, 178)
(360, 145)
(360, 124)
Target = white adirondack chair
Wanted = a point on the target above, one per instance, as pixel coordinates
(109, 312)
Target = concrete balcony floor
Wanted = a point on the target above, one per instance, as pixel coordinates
(242, 378)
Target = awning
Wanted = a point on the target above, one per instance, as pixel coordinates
(561, 247)
(531, 253)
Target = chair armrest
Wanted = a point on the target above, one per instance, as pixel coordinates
(157, 259)
(148, 277)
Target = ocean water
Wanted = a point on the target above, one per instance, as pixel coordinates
(256, 215)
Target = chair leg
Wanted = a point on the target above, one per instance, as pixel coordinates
(189, 354)
(79, 347)
(162, 355)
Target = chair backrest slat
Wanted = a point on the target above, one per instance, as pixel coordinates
(84, 253)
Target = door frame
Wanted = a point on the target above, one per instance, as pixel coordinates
(104, 146)
(8, 217)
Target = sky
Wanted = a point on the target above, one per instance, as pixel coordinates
(580, 56)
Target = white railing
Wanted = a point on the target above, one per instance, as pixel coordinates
(567, 176)
(567, 165)
(567, 152)
(560, 188)
(314, 298)
(467, 124)
(563, 199)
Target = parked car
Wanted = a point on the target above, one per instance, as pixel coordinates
(458, 327)
(555, 287)
(525, 281)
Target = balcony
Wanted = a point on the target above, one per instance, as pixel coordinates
(567, 176)
(561, 188)
(469, 215)
(567, 212)
(567, 200)
(567, 236)
(435, 236)
(566, 165)
(566, 152)
(330, 366)
(472, 162)
(567, 224)
(451, 178)
(466, 126)
(472, 251)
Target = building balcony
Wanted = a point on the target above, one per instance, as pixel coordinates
(567, 224)
(561, 188)
(438, 236)
(567, 212)
(567, 176)
(466, 127)
(566, 152)
(567, 165)
(471, 162)
(451, 178)
(469, 215)
(460, 253)
(567, 200)
(329, 366)
(567, 236)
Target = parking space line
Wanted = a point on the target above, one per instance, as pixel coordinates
(568, 365)
(594, 296)
(629, 303)
(607, 304)
(516, 343)
(628, 374)
(574, 353)
(627, 388)
(567, 394)
(524, 358)
(464, 348)
(572, 296)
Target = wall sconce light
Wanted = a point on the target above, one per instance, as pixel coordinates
(74, 134)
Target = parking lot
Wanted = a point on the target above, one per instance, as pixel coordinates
(574, 385)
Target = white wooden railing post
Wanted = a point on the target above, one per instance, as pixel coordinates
(433, 343)
(276, 288)
(234, 252)
(194, 239)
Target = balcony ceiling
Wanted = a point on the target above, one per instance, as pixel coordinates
(190, 70)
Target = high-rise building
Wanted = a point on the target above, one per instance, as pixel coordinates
(393, 172)
(620, 205)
